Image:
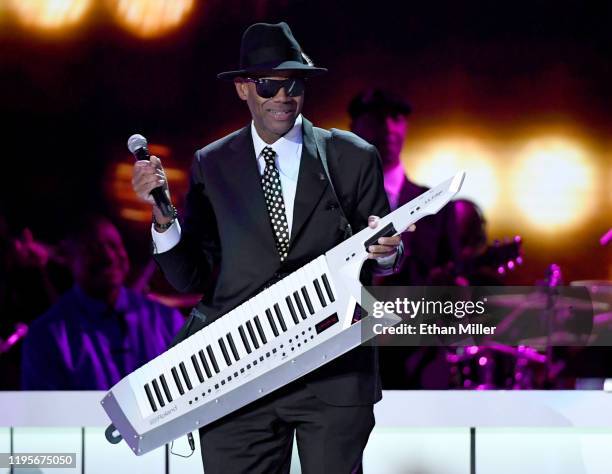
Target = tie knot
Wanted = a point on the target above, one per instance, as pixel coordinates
(268, 155)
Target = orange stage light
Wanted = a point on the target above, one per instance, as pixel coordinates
(554, 183)
(150, 18)
(49, 15)
(440, 158)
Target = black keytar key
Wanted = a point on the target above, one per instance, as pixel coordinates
(196, 366)
(245, 341)
(185, 375)
(150, 397)
(177, 380)
(272, 323)
(280, 318)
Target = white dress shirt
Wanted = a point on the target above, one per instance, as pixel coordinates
(394, 180)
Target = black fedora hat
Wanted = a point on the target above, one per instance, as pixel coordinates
(269, 47)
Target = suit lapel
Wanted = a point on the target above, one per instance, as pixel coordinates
(311, 181)
(408, 192)
(244, 182)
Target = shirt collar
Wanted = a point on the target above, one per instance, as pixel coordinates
(394, 180)
(285, 145)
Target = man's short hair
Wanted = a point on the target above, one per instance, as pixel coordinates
(379, 101)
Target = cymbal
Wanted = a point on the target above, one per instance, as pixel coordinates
(179, 301)
(539, 301)
(597, 285)
(599, 290)
(603, 321)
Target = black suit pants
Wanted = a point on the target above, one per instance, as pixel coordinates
(258, 439)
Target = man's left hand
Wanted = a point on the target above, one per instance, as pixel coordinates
(386, 246)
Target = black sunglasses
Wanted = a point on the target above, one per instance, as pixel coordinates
(268, 88)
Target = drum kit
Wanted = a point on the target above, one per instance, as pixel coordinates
(558, 357)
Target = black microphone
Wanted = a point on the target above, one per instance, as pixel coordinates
(137, 144)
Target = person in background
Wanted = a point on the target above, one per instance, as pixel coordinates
(382, 118)
(30, 275)
(471, 226)
(476, 266)
(99, 331)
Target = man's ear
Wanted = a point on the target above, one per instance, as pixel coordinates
(241, 88)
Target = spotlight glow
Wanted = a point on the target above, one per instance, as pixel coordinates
(49, 14)
(149, 18)
(441, 158)
(553, 183)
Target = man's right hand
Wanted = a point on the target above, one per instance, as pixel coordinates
(146, 176)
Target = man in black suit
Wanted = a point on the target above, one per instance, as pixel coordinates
(260, 205)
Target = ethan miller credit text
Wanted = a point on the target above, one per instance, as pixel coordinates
(411, 309)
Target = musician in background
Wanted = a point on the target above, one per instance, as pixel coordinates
(382, 118)
(28, 286)
(228, 225)
(99, 331)
(28, 289)
(472, 269)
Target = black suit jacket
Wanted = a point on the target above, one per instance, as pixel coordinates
(227, 236)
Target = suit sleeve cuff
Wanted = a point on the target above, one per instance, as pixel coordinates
(388, 265)
(164, 241)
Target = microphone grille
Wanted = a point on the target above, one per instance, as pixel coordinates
(136, 142)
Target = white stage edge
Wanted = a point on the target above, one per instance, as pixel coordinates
(417, 432)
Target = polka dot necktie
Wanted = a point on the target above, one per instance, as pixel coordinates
(273, 193)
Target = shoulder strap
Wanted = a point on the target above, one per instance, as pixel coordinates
(322, 139)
